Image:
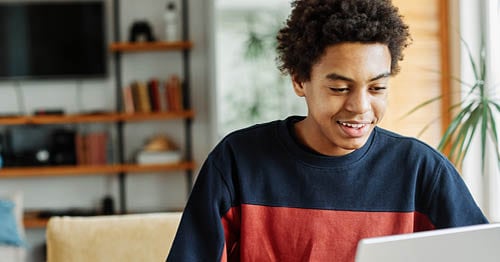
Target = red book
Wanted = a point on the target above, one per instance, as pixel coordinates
(173, 93)
(154, 95)
(80, 146)
(168, 95)
(102, 138)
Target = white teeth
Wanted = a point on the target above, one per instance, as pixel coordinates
(357, 126)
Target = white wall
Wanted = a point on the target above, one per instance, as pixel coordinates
(144, 192)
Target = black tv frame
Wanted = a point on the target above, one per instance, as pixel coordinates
(70, 45)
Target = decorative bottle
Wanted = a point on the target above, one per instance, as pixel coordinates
(171, 19)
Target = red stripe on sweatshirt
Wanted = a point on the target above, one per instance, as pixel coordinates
(262, 233)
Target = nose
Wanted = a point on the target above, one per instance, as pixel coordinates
(358, 101)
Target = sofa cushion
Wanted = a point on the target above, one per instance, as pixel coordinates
(11, 217)
(9, 234)
(138, 237)
(12, 220)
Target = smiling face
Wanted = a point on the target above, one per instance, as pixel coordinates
(346, 97)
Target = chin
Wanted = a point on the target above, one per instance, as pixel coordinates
(357, 144)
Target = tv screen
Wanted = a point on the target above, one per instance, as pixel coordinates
(52, 40)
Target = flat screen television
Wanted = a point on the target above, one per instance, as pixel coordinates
(63, 39)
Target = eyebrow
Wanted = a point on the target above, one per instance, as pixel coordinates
(334, 76)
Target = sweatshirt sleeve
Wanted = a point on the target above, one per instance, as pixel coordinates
(450, 202)
(201, 235)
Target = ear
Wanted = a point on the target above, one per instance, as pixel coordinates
(298, 87)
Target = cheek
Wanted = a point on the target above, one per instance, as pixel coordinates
(379, 107)
(324, 105)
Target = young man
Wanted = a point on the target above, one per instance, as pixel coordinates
(309, 188)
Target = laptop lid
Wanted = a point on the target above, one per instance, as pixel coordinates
(470, 243)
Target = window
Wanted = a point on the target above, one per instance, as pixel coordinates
(250, 88)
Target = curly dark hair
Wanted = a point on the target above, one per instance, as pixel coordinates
(314, 25)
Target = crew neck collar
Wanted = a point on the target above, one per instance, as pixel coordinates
(308, 156)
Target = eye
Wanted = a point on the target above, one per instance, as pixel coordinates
(378, 88)
(339, 90)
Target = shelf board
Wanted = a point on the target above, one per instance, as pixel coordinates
(136, 117)
(30, 220)
(150, 46)
(133, 168)
(46, 171)
(59, 119)
(94, 118)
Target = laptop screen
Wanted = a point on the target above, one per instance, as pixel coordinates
(470, 243)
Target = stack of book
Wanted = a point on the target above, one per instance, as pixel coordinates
(92, 148)
(153, 96)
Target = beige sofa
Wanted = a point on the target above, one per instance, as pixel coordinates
(138, 237)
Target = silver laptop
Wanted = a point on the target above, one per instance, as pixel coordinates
(478, 243)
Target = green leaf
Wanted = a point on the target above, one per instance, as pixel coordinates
(465, 135)
(484, 130)
(255, 46)
(491, 102)
(455, 123)
(494, 132)
(482, 63)
(455, 144)
(471, 58)
(473, 131)
(422, 131)
(461, 82)
(423, 104)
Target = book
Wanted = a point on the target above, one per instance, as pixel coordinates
(80, 147)
(134, 86)
(143, 94)
(154, 95)
(173, 92)
(92, 148)
(158, 157)
(128, 100)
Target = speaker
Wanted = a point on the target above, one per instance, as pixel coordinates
(27, 146)
(38, 146)
(63, 150)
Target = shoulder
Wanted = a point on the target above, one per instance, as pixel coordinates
(409, 148)
(389, 138)
(251, 140)
(253, 134)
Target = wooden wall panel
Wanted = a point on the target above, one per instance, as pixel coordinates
(420, 76)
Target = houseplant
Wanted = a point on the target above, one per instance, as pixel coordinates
(475, 114)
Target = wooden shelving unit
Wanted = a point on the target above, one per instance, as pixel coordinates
(121, 168)
(30, 219)
(120, 49)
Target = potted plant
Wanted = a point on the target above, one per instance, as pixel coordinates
(475, 115)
